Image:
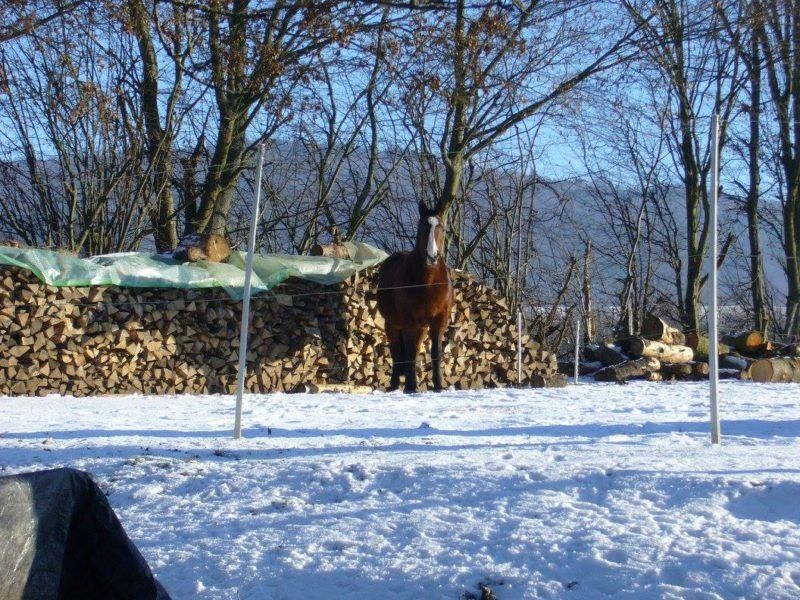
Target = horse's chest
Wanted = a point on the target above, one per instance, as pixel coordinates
(420, 305)
(410, 298)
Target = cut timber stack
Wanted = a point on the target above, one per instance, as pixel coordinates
(658, 355)
(110, 340)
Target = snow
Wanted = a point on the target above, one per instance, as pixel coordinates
(593, 491)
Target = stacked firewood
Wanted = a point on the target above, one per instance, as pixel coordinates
(111, 340)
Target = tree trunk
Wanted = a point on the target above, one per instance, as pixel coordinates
(223, 172)
(330, 251)
(159, 140)
(586, 292)
(778, 32)
(628, 370)
(663, 352)
(754, 160)
(454, 156)
(606, 354)
(699, 343)
(685, 371)
(734, 361)
(775, 370)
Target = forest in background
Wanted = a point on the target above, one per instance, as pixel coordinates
(568, 141)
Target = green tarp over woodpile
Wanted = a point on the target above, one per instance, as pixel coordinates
(135, 269)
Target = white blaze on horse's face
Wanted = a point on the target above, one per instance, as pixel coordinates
(433, 250)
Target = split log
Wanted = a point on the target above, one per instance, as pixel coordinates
(654, 328)
(775, 370)
(748, 342)
(628, 370)
(663, 352)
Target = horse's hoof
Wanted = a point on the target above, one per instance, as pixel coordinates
(393, 389)
(410, 391)
(438, 389)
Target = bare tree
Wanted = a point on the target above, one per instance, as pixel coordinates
(700, 75)
(743, 39)
(72, 159)
(254, 58)
(488, 69)
(777, 27)
(18, 19)
(161, 130)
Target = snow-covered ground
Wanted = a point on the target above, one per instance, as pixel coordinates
(591, 491)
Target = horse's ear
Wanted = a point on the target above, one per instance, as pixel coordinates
(423, 210)
(439, 211)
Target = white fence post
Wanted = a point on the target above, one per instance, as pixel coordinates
(519, 347)
(577, 345)
(245, 325)
(713, 344)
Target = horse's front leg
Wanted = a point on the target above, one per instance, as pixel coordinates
(396, 348)
(411, 339)
(436, 355)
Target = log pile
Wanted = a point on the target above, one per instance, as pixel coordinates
(658, 353)
(679, 356)
(111, 340)
(644, 358)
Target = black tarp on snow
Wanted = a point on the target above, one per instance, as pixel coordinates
(60, 539)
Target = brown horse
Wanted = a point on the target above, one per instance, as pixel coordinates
(414, 294)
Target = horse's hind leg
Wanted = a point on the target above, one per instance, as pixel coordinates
(436, 352)
(396, 348)
(411, 339)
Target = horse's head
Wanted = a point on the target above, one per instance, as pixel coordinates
(430, 233)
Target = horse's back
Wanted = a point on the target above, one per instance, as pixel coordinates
(390, 267)
(390, 279)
